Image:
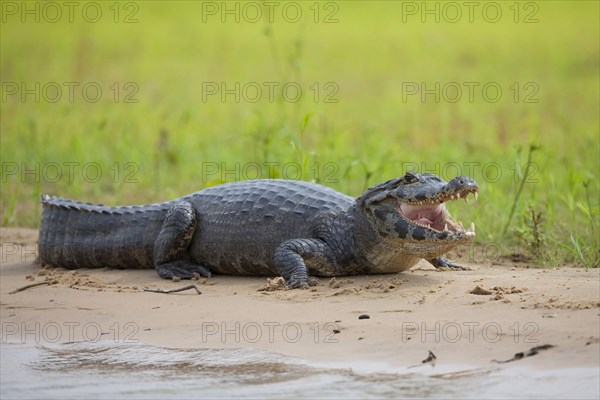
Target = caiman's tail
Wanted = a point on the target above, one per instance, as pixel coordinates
(75, 234)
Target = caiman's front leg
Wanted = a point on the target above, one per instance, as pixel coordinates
(441, 262)
(171, 258)
(292, 257)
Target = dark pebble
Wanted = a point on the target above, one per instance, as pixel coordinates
(364, 316)
(336, 331)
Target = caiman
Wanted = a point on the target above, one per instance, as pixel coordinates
(264, 227)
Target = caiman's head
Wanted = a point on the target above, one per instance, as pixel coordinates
(412, 209)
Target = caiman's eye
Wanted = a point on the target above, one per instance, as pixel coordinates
(411, 177)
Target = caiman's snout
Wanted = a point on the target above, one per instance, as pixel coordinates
(461, 186)
(461, 182)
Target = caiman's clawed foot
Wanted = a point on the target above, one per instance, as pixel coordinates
(182, 270)
(441, 262)
(312, 281)
(301, 282)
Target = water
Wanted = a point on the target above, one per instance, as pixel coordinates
(105, 370)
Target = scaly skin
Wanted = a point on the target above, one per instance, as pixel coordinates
(263, 227)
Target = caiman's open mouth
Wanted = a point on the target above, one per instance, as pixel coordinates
(432, 213)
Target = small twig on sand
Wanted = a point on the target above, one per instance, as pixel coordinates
(29, 287)
(430, 359)
(188, 287)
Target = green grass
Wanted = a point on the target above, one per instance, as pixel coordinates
(370, 134)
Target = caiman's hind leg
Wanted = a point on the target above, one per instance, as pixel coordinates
(292, 256)
(441, 262)
(171, 258)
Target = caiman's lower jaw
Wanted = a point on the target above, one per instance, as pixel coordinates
(434, 216)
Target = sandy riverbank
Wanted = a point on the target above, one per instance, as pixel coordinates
(409, 313)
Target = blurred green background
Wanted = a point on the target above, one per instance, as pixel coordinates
(384, 88)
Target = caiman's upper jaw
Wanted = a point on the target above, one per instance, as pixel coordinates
(432, 213)
(462, 193)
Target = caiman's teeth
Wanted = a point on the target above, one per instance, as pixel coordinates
(458, 195)
(467, 198)
(452, 197)
(472, 227)
(476, 195)
(446, 227)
